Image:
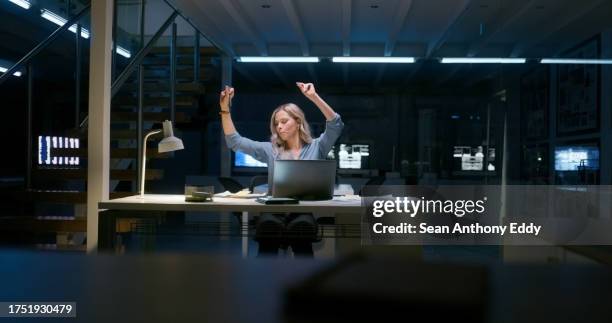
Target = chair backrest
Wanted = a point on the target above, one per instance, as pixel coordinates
(230, 184)
(258, 180)
(374, 181)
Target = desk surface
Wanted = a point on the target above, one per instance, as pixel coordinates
(168, 202)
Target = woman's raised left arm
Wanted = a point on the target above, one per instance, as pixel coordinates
(309, 91)
(333, 122)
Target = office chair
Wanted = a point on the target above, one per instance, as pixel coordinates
(258, 180)
(230, 184)
(374, 181)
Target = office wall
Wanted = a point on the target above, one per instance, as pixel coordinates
(602, 135)
(388, 119)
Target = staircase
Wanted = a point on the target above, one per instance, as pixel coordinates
(65, 187)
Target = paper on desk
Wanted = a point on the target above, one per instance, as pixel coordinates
(245, 194)
(347, 198)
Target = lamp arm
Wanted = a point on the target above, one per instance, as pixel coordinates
(144, 160)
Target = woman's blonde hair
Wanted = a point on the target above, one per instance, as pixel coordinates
(303, 128)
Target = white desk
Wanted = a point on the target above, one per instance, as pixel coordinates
(165, 202)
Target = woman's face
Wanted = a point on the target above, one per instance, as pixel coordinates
(286, 126)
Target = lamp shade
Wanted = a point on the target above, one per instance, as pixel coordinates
(170, 142)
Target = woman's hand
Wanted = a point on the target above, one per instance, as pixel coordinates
(307, 89)
(225, 98)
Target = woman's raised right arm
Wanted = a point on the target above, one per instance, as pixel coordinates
(225, 101)
(257, 149)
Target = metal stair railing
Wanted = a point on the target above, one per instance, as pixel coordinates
(139, 57)
(136, 63)
(26, 61)
(43, 44)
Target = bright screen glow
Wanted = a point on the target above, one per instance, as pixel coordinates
(474, 158)
(244, 160)
(353, 156)
(573, 158)
(50, 150)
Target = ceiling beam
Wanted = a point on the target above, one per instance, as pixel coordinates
(507, 18)
(346, 27)
(243, 22)
(438, 41)
(547, 30)
(398, 22)
(346, 37)
(245, 25)
(206, 26)
(296, 23)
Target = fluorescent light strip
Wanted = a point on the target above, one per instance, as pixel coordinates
(52, 17)
(574, 61)
(482, 60)
(123, 52)
(84, 32)
(60, 21)
(277, 59)
(22, 3)
(4, 69)
(384, 59)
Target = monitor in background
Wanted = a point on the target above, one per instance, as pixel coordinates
(243, 160)
(246, 163)
(575, 158)
(304, 179)
(55, 152)
(354, 156)
(469, 158)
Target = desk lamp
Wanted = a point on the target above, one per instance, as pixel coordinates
(169, 143)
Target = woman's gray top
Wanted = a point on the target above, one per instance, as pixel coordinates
(265, 153)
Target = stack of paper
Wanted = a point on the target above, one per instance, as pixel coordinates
(245, 193)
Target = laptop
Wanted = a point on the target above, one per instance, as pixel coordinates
(304, 179)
